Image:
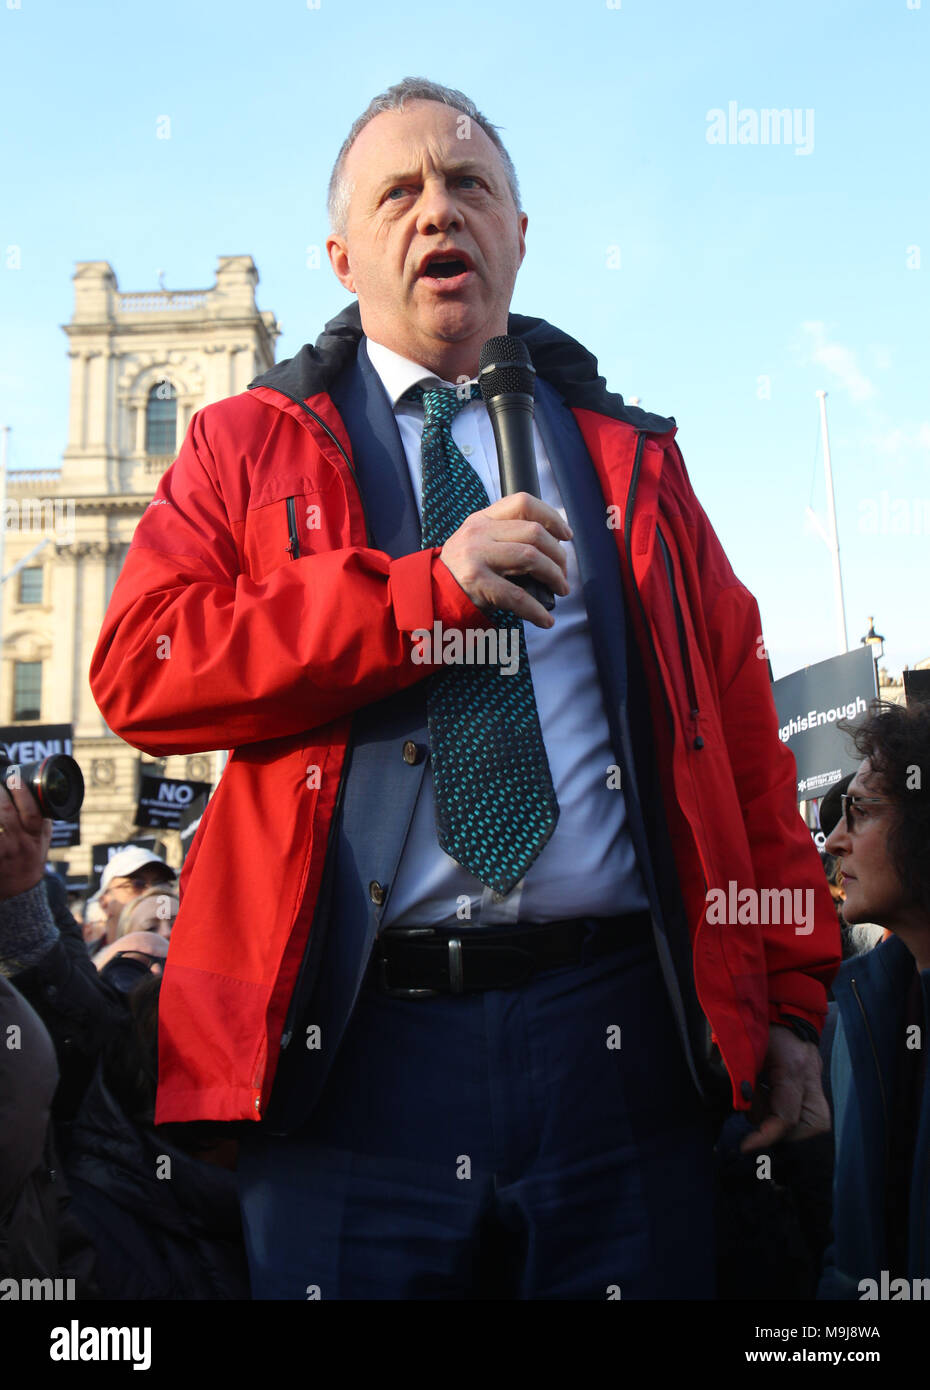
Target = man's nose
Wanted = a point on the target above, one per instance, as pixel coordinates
(438, 210)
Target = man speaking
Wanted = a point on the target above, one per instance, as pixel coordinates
(444, 932)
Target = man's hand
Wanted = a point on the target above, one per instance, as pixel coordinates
(24, 841)
(517, 535)
(793, 1105)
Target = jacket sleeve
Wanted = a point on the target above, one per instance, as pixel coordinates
(60, 981)
(802, 958)
(195, 655)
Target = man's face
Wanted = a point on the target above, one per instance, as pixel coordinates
(124, 890)
(874, 892)
(118, 893)
(418, 191)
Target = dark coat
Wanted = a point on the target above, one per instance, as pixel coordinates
(881, 1115)
(174, 1236)
(28, 1196)
(79, 1009)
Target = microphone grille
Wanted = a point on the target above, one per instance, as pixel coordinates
(505, 366)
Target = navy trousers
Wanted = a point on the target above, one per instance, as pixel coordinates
(543, 1142)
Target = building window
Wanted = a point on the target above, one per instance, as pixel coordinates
(30, 584)
(161, 415)
(27, 690)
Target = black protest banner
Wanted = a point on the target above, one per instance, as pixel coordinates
(163, 800)
(32, 743)
(810, 704)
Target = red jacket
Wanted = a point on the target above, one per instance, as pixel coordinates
(215, 637)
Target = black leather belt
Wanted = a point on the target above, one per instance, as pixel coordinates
(412, 962)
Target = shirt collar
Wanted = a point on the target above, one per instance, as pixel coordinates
(397, 374)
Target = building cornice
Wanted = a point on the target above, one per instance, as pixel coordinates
(90, 550)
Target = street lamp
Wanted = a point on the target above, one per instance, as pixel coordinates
(876, 641)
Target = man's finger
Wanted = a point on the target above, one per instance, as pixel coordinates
(771, 1130)
(24, 804)
(525, 507)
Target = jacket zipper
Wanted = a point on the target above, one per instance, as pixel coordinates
(698, 741)
(293, 544)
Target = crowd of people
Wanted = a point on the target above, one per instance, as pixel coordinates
(90, 1188)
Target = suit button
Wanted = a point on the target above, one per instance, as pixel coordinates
(746, 1090)
(411, 752)
(376, 892)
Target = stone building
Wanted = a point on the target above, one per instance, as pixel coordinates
(141, 365)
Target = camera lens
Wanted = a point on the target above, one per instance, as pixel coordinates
(58, 786)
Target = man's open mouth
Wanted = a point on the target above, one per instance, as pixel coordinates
(445, 269)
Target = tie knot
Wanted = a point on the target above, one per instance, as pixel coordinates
(441, 404)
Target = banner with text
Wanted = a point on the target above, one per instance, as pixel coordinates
(163, 800)
(30, 743)
(810, 704)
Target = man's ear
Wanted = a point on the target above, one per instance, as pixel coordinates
(523, 225)
(338, 251)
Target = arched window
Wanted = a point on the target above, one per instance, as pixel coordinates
(161, 414)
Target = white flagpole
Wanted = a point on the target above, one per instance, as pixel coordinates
(834, 541)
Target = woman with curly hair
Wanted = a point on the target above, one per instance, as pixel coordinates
(877, 1069)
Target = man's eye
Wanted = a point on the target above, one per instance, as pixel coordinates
(392, 191)
(470, 178)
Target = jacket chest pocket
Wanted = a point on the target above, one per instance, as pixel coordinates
(284, 530)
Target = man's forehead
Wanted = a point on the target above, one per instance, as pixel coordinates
(395, 141)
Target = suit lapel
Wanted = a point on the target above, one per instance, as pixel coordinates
(598, 562)
(378, 455)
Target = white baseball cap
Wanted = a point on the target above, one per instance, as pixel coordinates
(127, 862)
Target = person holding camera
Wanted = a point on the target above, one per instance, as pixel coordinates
(42, 950)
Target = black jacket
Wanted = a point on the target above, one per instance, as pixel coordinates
(79, 1009)
(165, 1225)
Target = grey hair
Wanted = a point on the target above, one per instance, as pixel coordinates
(394, 99)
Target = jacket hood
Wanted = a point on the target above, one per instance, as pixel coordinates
(559, 359)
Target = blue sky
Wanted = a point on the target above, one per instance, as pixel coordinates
(721, 283)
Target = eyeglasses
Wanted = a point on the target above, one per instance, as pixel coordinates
(849, 803)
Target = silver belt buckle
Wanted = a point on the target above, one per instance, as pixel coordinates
(456, 967)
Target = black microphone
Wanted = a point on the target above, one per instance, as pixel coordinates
(506, 377)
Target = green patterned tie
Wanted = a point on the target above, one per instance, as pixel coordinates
(495, 803)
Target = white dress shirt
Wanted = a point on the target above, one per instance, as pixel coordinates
(588, 867)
